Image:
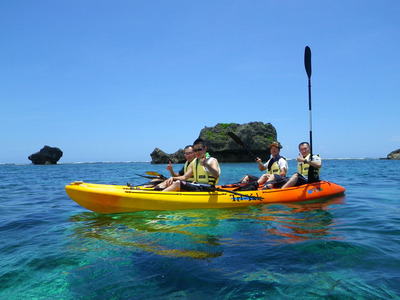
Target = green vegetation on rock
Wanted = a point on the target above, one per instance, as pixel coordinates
(256, 136)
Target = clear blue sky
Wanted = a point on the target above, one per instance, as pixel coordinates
(112, 80)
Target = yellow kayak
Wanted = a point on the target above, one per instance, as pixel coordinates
(108, 199)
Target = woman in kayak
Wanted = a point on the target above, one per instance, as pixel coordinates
(203, 169)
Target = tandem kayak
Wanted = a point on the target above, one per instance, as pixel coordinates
(108, 199)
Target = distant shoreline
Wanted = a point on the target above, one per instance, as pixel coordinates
(137, 162)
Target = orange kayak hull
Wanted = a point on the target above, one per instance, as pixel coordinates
(108, 199)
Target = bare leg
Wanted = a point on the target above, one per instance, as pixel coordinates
(245, 179)
(265, 178)
(153, 183)
(162, 185)
(292, 181)
(175, 186)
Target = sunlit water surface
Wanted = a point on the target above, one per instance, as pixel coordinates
(345, 247)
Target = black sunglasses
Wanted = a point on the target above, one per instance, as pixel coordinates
(197, 150)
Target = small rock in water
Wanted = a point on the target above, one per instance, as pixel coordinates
(46, 156)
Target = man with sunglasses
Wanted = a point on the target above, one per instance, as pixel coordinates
(203, 169)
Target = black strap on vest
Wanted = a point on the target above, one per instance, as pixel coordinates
(312, 173)
(272, 160)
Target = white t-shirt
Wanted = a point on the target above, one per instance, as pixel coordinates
(208, 161)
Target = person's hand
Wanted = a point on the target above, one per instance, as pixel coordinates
(258, 160)
(169, 166)
(300, 158)
(169, 181)
(203, 161)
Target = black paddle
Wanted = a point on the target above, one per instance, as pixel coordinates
(307, 64)
(211, 188)
(239, 141)
(152, 182)
(152, 177)
(148, 177)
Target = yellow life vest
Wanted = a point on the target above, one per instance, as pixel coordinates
(302, 168)
(275, 169)
(201, 175)
(186, 167)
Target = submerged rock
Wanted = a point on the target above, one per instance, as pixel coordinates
(394, 154)
(46, 156)
(256, 137)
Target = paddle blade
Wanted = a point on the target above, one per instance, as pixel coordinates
(148, 177)
(236, 138)
(153, 173)
(307, 61)
(157, 175)
(239, 141)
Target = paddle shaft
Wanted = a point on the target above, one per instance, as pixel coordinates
(148, 177)
(235, 193)
(240, 142)
(161, 177)
(213, 188)
(307, 64)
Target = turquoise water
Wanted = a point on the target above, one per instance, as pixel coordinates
(345, 247)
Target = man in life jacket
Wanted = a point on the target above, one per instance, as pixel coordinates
(308, 168)
(276, 168)
(203, 169)
(189, 155)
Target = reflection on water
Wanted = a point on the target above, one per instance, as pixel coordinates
(204, 234)
(176, 234)
(298, 222)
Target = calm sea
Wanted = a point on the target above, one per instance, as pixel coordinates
(346, 247)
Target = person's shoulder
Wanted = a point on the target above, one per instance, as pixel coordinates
(283, 162)
(316, 157)
(192, 163)
(211, 159)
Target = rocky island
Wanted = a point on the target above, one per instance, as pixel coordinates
(394, 154)
(256, 136)
(46, 156)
